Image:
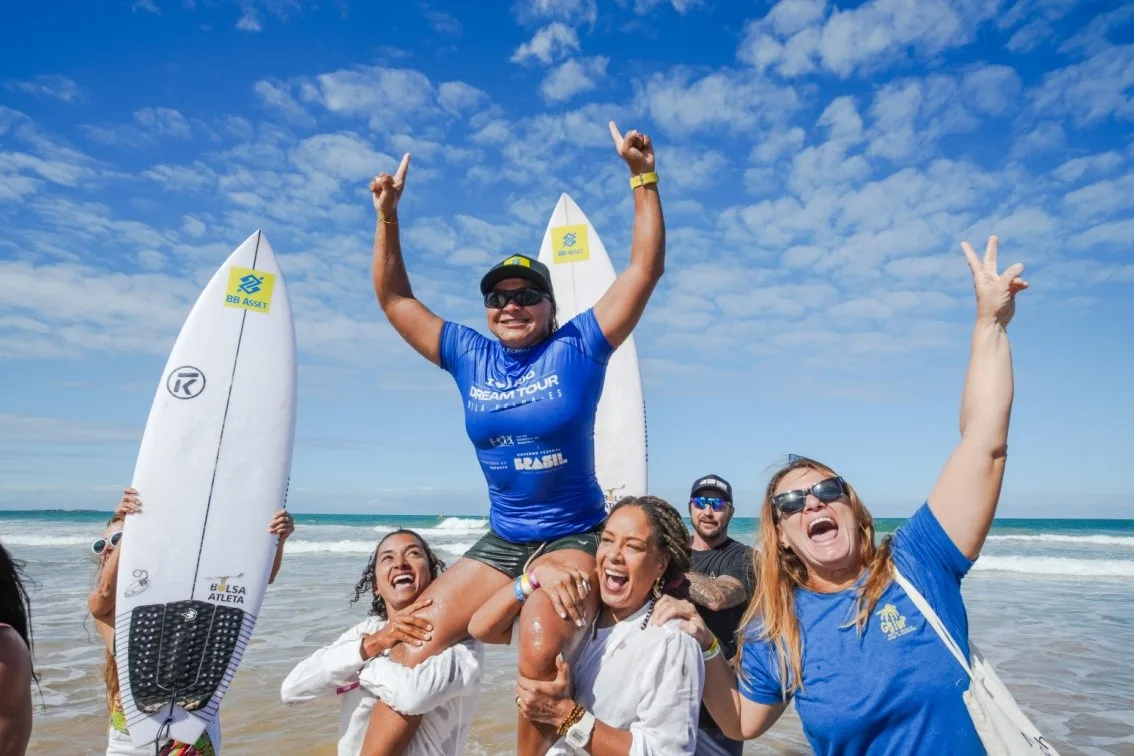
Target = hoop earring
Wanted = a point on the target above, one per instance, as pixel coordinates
(657, 587)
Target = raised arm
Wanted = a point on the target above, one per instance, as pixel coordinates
(410, 318)
(103, 595)
(621, 307)
(964, 498)
(282, 525)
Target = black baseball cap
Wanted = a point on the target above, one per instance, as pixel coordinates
(518, 266)
(714, 482)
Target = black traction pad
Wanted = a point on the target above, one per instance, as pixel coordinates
(180, 652)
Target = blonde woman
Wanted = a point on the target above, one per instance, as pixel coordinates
(101, 605)
(828, 627)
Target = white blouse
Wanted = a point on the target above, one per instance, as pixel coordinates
(646, 681)
(443, 688)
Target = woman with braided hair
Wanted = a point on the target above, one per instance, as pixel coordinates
(632, 687)
(441, 691)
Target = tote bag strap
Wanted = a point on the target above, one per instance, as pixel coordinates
(933, 620)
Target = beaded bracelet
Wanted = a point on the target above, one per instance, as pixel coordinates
(571, 720)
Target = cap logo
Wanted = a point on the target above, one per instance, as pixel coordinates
(518, 260)
(704, 482)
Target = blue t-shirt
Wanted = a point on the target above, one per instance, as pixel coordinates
(895, 689)
(530, 413)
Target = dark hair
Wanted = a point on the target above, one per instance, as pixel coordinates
(366, 584)
(553, 318)
(671, 536)
(15, 607)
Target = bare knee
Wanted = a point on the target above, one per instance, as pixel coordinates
(543, 634)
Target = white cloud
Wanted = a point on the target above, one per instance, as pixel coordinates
(443, 22)
(552, 42)
(730, 100)
(38, 429)
(275, 96)
(797, 36)
(573, 12)
(163, 122)
(249, 21)
(1087, 92)
(1047, 135)
(54, 86)
(692, 168)
(992, 89)
(146, 5)
(345, 156)
(909, 116)
(383, 95)
(1077, 168)
(1029, 36)
(573, 77)
(642, 7)
(459, 97)
(777, 144)
(1103, 198)
(182, 179)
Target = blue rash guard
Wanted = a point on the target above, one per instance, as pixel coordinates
(895, 689)
(530, 414)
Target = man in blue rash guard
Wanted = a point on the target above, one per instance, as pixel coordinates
(530, 398)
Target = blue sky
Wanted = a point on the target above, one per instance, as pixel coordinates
(820, 166)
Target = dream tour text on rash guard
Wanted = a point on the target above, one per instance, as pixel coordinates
(530, 414)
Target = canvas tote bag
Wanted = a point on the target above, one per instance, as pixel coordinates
(1002, 727)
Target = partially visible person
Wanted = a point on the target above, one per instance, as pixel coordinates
(101, 603)
(720, 584)
(441, 691)
(829, 628)
(16, 669)
(633, 687)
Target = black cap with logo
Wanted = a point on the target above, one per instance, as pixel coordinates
(714, 483)
(518, 266)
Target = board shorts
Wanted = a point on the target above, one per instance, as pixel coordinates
(513, 558)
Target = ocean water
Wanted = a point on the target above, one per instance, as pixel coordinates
(1051, 604)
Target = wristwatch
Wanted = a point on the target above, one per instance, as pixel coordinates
(579, 733)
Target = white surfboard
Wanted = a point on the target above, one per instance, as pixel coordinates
(581, 272)
(211, 471)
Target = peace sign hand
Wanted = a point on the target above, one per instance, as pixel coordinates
(635, 148)
(995, 294)
(387, 189)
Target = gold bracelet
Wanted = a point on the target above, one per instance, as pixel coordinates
(642, 179)
(572, 718)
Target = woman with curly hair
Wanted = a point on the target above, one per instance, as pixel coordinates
(633, 687)
(16, 671)
(441, 692)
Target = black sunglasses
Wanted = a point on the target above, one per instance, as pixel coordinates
(700, 502)
(99, 546)
(826, 491)
(498, 299)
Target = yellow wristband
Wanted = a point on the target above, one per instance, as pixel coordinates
(713, 650)
(642, 179)
(383, 219)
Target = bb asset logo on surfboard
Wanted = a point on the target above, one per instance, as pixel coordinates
(569, 243)
(249, 289)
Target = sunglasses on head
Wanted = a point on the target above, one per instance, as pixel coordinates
(826, 491)
(498, 299)
(701, 502)
(99, 546)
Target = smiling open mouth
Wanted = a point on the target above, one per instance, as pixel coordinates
(402, 581)
(614, 580)
(823, 530)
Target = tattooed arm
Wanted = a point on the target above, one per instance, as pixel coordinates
(715, 593)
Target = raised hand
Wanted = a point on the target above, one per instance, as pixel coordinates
(995, 293)
(386, 190)
(635, 148)
(282, 525)
(130, 503)
(404, 627)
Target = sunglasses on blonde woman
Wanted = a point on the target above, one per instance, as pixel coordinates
(99, 546)
(826, 491)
